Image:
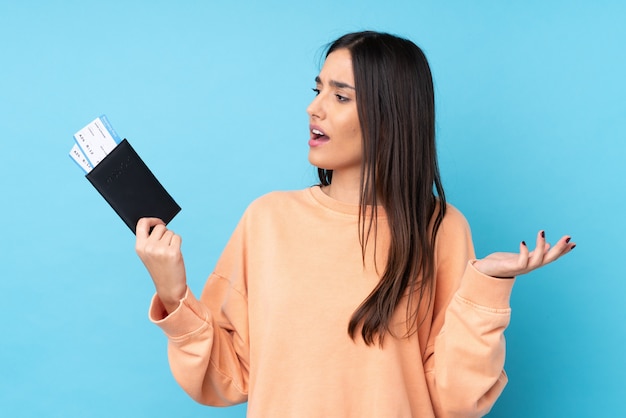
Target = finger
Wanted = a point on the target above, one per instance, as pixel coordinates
(562, 247)
(158, 231)
(524, 254)
(536, 257)
(569, 244)
(167, 237)
(523, 249)
(144, 226)
(546, 247)
(176, 241)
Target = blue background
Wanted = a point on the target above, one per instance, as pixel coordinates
(531, 130)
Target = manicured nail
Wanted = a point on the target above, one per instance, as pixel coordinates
(567, 240)
(573, 246)
(524, 243)
(543, 234)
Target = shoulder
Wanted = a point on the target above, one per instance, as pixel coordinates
(279, 203)
(453, 220)
(275, 199)
(454, 235)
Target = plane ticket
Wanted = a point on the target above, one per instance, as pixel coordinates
(94, 142)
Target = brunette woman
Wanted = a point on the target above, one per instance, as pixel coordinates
(360, 296)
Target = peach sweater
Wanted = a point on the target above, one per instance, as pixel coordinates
(271, 325)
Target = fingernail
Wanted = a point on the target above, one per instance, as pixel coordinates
(567, 240)
(524, 243)
(543, 234)
(573, 246)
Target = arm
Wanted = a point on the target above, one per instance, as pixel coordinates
(465, 355)
(464, 358)
(208, 345)
(465, 367)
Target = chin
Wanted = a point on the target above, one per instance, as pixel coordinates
(317, 162)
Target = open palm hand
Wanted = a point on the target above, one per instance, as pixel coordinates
(508, 265)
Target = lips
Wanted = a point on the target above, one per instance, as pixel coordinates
(318, 137)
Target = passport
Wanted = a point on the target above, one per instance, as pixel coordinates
(117, 172)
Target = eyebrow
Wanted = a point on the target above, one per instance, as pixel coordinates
(336, 84)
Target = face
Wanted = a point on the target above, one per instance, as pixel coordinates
(335, 132)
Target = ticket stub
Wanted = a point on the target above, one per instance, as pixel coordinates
(80, 159)
(94, 142)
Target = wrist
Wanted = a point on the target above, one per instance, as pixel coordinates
(490, 271)
(171, 300)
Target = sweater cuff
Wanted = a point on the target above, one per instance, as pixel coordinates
(486, 291)
(190, 316)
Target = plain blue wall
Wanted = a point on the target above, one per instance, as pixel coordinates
(531, 110)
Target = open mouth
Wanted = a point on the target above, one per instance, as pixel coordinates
(318, 135)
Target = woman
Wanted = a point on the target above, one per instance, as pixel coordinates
(359, 297)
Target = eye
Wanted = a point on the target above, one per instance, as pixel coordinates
(341, 98)
(316, 91)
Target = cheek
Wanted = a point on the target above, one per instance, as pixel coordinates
(356, 126)
(356, 132)
(350, 126)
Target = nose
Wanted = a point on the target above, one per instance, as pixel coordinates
(316, 109)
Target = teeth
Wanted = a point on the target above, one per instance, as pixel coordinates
(317, 132)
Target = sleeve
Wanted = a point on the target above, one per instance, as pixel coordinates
(464, 359)
(208, 344)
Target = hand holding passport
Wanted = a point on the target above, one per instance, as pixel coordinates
(120, 175)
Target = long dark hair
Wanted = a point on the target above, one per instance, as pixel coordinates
(396, 108)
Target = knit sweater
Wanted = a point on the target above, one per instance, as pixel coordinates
(270, 326)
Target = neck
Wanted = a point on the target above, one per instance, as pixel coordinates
(345, 187)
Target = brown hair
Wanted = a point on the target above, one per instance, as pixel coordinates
(400, 172)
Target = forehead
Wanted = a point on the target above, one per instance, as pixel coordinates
(338, 67)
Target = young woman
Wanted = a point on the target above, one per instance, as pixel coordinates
(358, 297)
